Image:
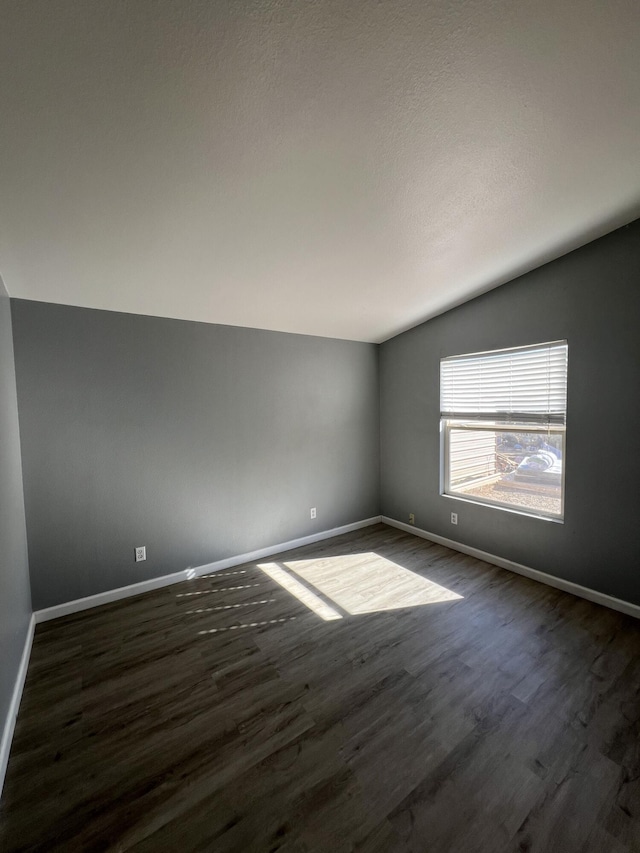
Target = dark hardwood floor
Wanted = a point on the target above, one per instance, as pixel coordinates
(223, 714)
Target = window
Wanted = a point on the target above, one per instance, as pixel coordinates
(503, 418)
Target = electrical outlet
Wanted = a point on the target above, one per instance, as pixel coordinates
(313, 512)
(141, 553)
(412, 518)
(454, 518)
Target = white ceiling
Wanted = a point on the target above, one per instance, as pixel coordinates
(343, 169)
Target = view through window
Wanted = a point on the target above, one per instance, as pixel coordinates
(503, 421)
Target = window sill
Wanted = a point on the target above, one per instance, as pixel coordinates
(488, 505)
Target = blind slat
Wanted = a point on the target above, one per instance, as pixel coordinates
(529, 382)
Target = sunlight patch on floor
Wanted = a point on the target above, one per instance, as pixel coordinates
(367, 583)
(248, 625)
(230, 606)
(216, 591)
(300, 591)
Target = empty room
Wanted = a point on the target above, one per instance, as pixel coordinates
(319, 426)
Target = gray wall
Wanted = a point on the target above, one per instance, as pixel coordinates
(198, 441)
(591, 297)
(15, 599)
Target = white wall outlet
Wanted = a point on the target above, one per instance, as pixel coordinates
(313, 512)
(412, 518)
(454, 518)
(141, 553)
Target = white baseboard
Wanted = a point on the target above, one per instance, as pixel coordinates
(550, 580)
(187, 574)
(14, 705)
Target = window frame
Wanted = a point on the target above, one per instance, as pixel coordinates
(499, 422)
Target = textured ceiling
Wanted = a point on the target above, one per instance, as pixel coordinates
(345, 169)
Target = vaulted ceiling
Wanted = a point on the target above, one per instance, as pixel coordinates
(344, 169)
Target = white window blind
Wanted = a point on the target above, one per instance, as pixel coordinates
(528, 384)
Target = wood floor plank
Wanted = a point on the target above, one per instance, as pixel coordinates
(446, 706)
